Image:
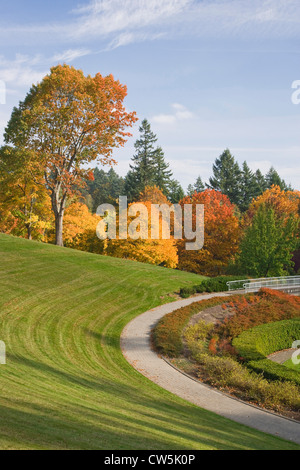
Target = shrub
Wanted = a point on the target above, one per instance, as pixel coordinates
(214, 284)
(228, 374)
(167, 334)
(196, 337)
(264, 307)
(257, 343)
(273, 371)
(263, 340)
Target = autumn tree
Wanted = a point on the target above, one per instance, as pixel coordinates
(154, 195)
(66, 122)
(284, 203)
(158, 251)
(80, 228)
(22, 197)
(221, 235)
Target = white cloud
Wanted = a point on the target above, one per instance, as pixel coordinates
(23, 70)
(70, 55)
(102, 17)
(122, 22)
(181, 113)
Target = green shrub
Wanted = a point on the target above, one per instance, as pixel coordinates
(273, 371)
(259, 342)
(186, 292)
(214, 284)
(255, 344)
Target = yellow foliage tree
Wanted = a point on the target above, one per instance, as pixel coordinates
(160, 251)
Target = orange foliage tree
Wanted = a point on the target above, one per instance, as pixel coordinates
(65, 122)
(221, 232)
(284, 203)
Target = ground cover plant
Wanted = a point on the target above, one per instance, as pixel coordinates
(66, 384)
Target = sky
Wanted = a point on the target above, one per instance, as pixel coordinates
(207, 74)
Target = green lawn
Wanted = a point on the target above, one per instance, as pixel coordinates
(66, 384)
(291, 365)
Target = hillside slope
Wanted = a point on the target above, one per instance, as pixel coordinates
(66, 384)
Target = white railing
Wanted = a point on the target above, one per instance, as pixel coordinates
(291, 283)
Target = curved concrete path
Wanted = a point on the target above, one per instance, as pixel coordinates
(282, 356)
(136, 348)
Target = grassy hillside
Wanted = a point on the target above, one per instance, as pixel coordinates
(66, 384)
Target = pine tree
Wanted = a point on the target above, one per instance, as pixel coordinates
(190, 190)
(199, 185)
(176, 192)
(227, 176)
(162, 173)
(143, 162)
(260, 181)
(105, 188)
(130, 186)
(248, 187)
(273, 179)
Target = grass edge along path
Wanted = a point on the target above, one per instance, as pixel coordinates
(66, 384)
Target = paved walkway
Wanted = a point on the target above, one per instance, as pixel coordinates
(135, 344)
(282, 356)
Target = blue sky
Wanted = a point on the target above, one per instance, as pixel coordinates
(208, 75)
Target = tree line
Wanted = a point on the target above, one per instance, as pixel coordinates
(69, 123)
(148, 167)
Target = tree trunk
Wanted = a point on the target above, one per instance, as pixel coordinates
(59, 229)
(29, 226)
(29, 236)
(58, 206)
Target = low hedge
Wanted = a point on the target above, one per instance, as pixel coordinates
(214, 284)
(255, 344)
(273, 371)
